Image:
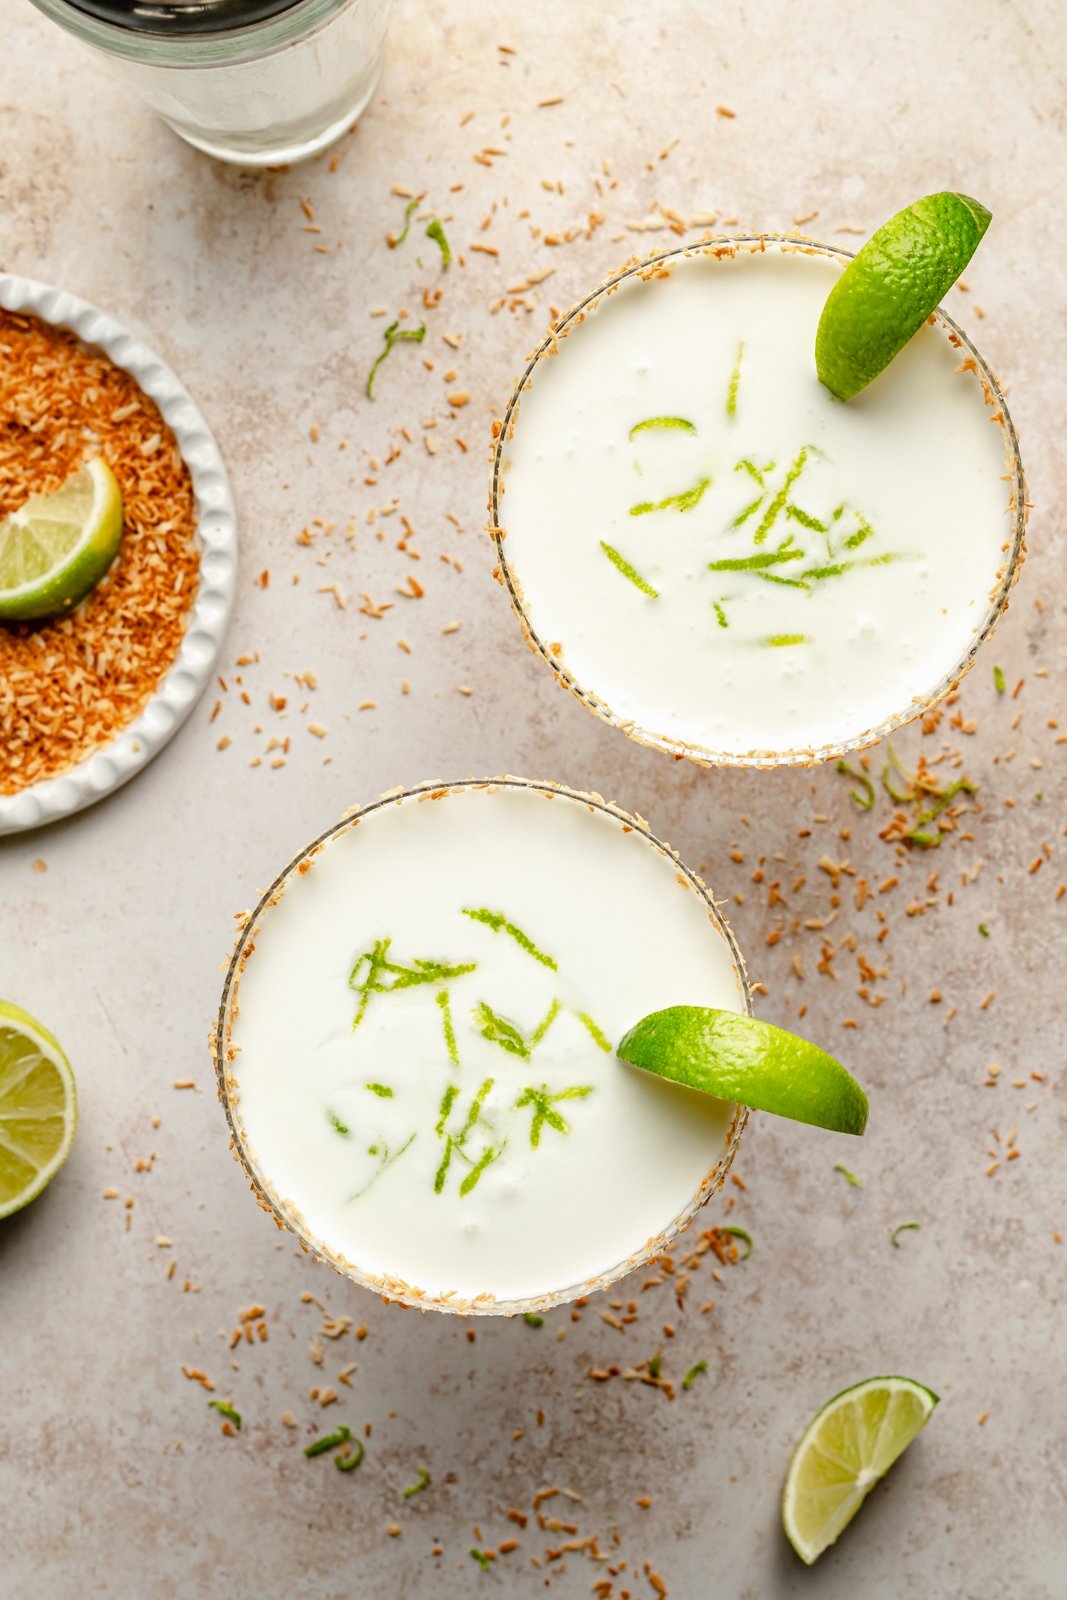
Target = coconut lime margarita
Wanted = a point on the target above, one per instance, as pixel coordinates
(416, 1045)
(713, 551)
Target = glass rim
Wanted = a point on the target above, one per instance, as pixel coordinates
(286, 1215)
(222, 47)
(702, 755)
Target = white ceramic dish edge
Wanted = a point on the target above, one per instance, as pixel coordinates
(216, 525)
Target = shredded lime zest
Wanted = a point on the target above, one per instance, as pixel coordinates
(329, 1441)
(895, 764)
(544, 1103)
(481, 1557)
(500, 924)
(770, 516)
(336, 1124)
(662, 423)
(383, 976)
(447, 1100)
(487, 1159)
(394, 333)
(498, 1030)
(735, 379)
(850, 1177)
(786, 551)
(595, 1033)
(620, 561)
(999, 682)
(720, 614)
(865, 801)
(409, 210)
(532, 1320)
(455, 1143)
(435, 231)
(347, 1461)
(450, 1032)
(655, 1365)
(382, 1090)
(224, 1408)
(545, 1023)
(903, 1227)
(673, 502)
(417, 1488)
(385, 1160)
(738, 1233)
(945, 798)
(694, 1373)
(983, 930)
(782, 641)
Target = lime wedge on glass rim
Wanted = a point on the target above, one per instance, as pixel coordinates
(56, 547)
(739, 1058)
(890, 287)
(846, 1448)
(38, 1108)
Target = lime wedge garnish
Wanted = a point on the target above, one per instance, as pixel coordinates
(38, 1108)
(56, 547)
(739, 1058)
(847, 1446)
(888, 290)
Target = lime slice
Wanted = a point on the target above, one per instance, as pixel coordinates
(739, 1058)
(888, 290)
(38, 1108)
(57, 547)
(847, 1446)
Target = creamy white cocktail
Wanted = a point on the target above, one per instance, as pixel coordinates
(718, 555)
(416, 1045)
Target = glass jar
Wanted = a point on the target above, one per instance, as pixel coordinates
(260, 82)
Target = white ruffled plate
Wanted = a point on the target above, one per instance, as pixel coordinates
(216, 527)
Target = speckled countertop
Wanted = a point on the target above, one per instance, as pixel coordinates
(114, 1477)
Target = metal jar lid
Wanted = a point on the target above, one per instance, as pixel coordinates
(183, 18)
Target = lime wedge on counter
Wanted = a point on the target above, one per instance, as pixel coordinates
(56, 547)
(738, 1058)
(847, 1446)
(888, 290)
(38, 1108)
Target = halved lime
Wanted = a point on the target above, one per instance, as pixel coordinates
(740, 1058)
(888, 290)
(38, 1108)
(847, 1446)
(56, 547)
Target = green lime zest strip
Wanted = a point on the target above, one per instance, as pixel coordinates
(805, 519)
(442, 1171)
(450, 1032)
(348, 1463)
(382, 1090)
(776, 577)
(735, 379)
(386, 1161)
(770, 516)
(743, 1059)
(903, 1227)
(895, 764)
(651, 423)
(865, 801)
(594, 1032)
(720, 614)
(745, 465)
(479, 1556)
(750, 509)
(409, 211)
(673, 502)
(627, 571)
(545, 1023)
(999, 683)
(447, 1100)
(394, 333)
(655, 1366)
(336, 1124)
(543, 1104)
(498, 1030)
(329, 1441)
(417, 1488)
(532, 1320)
(786, 551)
(225, 1409)
(384, 976)
(487, 1159)
(694, 1373)
(850, 1177)
(476, 1109)
(500, 924)
(781, 641)
(945, 798)
(436, 232)
(739, 1233)
(983, 930)
(863, 532)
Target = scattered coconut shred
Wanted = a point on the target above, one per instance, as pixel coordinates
(68, 686)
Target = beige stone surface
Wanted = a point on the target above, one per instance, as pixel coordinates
(114, 1477)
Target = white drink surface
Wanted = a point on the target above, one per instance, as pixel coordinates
(906, 480)
(628, 934)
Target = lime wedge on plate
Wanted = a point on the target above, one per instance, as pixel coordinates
(56, 547)
(888, 290)
(847, 1446)
(38, 1108)
(739, 1058)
